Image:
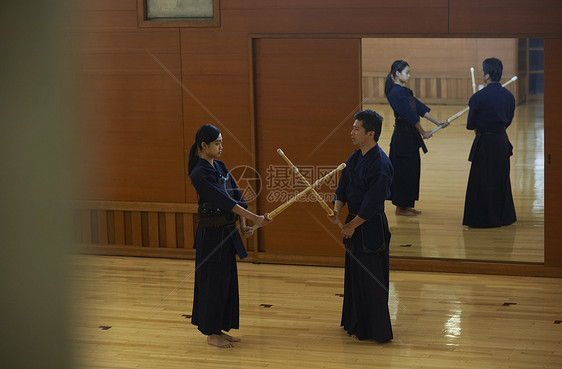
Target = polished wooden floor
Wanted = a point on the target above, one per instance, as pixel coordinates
(131, 313)
(438, 231)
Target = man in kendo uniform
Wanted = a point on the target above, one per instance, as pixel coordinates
(364, 186)
(489, 201)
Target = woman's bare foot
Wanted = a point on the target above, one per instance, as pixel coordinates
(216, 340)
(405, 212)
(230, 338)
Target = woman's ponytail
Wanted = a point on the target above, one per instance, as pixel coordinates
(397, 67)
(388, 83)
(193, 158)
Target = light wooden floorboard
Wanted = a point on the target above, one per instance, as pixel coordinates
(439, 320)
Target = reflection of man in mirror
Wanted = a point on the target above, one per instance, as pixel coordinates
(489, 202)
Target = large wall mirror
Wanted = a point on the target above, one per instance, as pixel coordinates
(441, 79)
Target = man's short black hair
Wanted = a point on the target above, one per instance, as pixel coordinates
(371, 120)
(494, 68)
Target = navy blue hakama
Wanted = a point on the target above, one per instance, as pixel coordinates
(215, 298)
(489, 201)
(364, 186)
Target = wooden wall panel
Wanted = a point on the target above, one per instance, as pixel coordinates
(119, 226)
(129, 231)
(86, 226)
(553, 152)
(153, 233)
(505, 17)
(188, 231)
(129, 139)
(436, 58)
(171, 230)
(215, 75)
(431, 89)
(298, 109)
(102, 228)
(136, 228)
(449, 57)
(336, 16)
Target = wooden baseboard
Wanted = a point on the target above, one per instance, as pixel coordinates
(149, 252)
(474, 267)
(126, 250)
(396, 263)
(330, 261)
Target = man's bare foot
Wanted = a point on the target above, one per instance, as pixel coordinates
(405, 212)
(216, 340)
(412, 210)
(230, 338)
(353, 336)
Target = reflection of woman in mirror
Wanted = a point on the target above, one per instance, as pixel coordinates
(407, 138)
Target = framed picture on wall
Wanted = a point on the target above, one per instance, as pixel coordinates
(179, 13)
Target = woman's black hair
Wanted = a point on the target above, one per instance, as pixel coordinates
(397, 67)
(206, 133)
